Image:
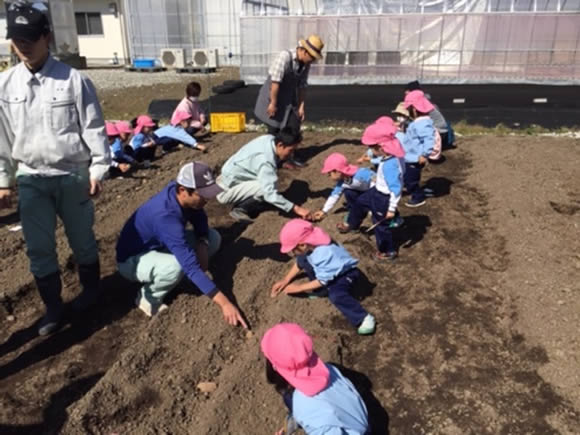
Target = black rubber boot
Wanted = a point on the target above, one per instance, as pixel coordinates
(247, 210)
(49, 288)
(90, 278)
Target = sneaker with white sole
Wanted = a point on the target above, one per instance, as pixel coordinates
(368, 325)
(148, 308)
(415, 203)
(241, 215)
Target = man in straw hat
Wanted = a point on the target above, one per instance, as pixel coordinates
(285, 87)
(284, 91)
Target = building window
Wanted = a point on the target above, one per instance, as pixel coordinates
(89, 23)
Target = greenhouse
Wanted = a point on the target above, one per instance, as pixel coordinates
(439, 41)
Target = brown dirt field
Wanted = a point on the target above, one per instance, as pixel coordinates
(477, 320)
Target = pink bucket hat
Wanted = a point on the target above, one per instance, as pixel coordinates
(111, 129)
(143, 121)
(300, 231)
(123, 127)
(419, 101)
(382, 132)
(338, 162)
(180, 116)
(289, 348)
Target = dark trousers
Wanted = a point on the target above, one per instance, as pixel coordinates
(351, 197)
(339, 291)
(412, 181)
(166, 143)
(141, 154)
(378, 204)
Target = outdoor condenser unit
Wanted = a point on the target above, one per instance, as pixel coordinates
(204, 58)
(173, 58)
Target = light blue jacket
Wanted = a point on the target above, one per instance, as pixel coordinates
(256, 160)
(330, 261)
(177, 133)
(336, 410)
(362, 181)
(419, 139)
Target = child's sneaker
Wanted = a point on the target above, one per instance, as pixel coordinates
(415, 203)
(428, 192)
(147, 307)
(390, 256)
(396, 222)
(321, 293)
(368, 325)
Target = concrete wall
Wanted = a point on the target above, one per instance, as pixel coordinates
(100, 49)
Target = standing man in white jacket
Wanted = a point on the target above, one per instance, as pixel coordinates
(54, 148)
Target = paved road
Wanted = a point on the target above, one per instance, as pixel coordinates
(486, 105)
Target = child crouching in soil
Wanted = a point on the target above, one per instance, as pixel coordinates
(329, 267)
(382, 199)
(121, 163)
(350, 180)
(319, 398)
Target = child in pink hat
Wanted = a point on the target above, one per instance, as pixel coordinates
(175, 133)
(143, 144)
(350, 180)
(382, 199)
(320, 399)
(331, 269)
(418, 142)
(121, 162)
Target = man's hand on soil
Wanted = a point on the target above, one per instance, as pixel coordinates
(5, 198)
(232, 315)
(304, 213)
(95, 187)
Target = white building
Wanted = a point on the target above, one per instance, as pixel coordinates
(111, 30)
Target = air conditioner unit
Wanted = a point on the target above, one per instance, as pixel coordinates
(172, 58)
(204, 58)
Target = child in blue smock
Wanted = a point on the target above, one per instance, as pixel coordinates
(330, 268)
(319, 398)
(382, 199)
(143, 143)
(418, 143)
(350, 181)
(174, 134)
(121, 162)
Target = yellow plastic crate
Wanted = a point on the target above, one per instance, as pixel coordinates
(228, 122)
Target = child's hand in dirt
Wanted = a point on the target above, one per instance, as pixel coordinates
(280, 432)
(318, 215)
(201, 147)
(277, 288)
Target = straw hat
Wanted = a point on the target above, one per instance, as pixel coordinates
(401, 110)
(313, 45)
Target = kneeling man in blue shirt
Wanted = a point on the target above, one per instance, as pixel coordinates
(155, 249)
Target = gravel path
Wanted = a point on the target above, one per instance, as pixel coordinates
(107, 79)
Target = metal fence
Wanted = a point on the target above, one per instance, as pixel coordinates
(379, 41)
